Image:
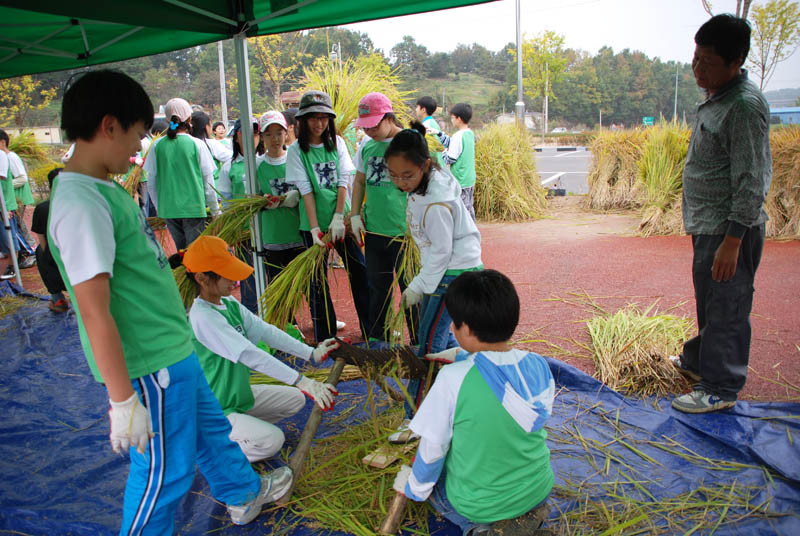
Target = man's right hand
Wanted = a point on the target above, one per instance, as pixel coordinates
(130, 425)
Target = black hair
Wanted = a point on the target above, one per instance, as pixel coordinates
(215, 125)
(159, 126)
(176, 260)
(463, 111)
(4, 137)
(393, 117)
(237, 149)
(328, 135)
(97, 94)
(429, 103)
(291, 120)
(410, 143)
(487, 302)
(200, 120)
(185, 126)
(729, 36)
(51, 176)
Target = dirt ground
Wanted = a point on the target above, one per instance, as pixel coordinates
(560, 262)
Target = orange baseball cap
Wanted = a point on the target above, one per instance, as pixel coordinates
(211, 254)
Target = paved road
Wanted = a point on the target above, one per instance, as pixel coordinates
(564, 169)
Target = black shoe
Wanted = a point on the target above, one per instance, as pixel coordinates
(27, 262)
(9, 273)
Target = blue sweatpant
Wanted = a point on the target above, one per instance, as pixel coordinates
(190, 429)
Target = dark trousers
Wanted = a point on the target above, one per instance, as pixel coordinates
(322, 313)
(48, 270)
(184, 231)
(276, 261)
(721, 350)
(247, 287)
(383, 261)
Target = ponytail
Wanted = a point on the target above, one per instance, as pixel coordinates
(176, 124)
(411, 144)
(176, 260)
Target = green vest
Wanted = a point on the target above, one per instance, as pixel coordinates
(144, 300)
(236, 174)
(180, 188)
(229, 381)
(385, 205)
(464, 167)
(322, 171)
(279, 225)
(23, 193)
(8, 192)
(495, 469)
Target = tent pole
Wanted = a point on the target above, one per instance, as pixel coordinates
(12, 253)
(246, 110)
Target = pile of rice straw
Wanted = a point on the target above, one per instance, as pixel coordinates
(614, 172)
(783, 199)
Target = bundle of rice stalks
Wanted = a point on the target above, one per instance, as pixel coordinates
(783, 200)
(133, 177)
(630, 350)
(355, 496)
(661, 177)
(508, 187)
(284, 295)
(347, 81)
(410, 265)
(233, 225)
(27, 148)
(614, 170)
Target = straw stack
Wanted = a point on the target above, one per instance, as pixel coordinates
(783, 199)
(614, 172)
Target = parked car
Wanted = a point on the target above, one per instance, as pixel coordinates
(558, 130)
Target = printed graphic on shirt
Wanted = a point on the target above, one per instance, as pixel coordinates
(279, 186)
(152, 241)
(377, 171)
(326, 174)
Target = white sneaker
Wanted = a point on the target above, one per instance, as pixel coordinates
(273, 486)
(403, 433)
(340, 325)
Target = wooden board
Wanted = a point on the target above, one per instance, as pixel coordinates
(385, 455)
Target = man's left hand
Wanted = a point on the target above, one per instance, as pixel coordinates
(725, 259)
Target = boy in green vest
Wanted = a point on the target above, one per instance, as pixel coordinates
(132, 322)
(459, 152)
(482, 456)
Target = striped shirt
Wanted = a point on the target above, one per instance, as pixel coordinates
(728, 167)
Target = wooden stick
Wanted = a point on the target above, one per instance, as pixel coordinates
(304, 444)
(397, 510)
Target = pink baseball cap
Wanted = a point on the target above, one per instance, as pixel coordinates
(271, 117)
(371, 109)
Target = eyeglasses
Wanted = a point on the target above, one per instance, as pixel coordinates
(406, 177)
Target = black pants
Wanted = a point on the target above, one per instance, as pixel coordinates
(721, 350)
(322, 312)
(383, 261)
(184, 231)
(247, 287)
(276, 261)
(48, 270)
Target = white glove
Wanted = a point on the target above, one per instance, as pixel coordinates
(274, 201)
(139, 161)
(321, 393)
(317, 236)
(357, 228)
(411, 298)
(292, 199)
(322, 350)
(445, 356)
(130, 425)
(401, 479)
(337, 227)
(432, 131)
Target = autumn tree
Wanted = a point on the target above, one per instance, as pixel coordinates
(543, 62)
(279, 56)
(776, 33)
(20, 96)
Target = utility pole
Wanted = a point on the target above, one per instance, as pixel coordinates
(222, 95)
(675, 110)
(519, 106)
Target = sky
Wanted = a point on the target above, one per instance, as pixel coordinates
(659, 28)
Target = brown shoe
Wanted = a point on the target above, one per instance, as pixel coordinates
(59, 306)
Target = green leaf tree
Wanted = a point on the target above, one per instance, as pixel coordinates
(776, 34)
(21, 95)
(543, 62)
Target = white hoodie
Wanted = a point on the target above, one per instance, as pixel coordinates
(445, 234)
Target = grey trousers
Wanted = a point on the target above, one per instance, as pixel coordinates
(468, 198)
(184, 231)
(721, 350)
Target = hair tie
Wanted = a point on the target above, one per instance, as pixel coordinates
(173, 125)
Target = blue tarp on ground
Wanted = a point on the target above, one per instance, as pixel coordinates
(58, 474)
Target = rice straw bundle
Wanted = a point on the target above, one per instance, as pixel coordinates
(284, 295)
(410, 265)
(507, 187)
(131, 183)
(783, 200)
(661, 177)
(233, 225)
(630, 350)
(614, 170)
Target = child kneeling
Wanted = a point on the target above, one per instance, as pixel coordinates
(482, 456)
(225, 338)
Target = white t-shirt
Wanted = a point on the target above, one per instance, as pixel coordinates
(218, 150)
(16, 166)
(215, 333)
(3, 165)
(455, 148)
(296, 172)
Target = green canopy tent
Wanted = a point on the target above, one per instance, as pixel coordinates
(50, 35)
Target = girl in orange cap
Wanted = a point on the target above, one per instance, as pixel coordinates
(225, 337)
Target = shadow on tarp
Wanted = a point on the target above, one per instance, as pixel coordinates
(58, 474)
